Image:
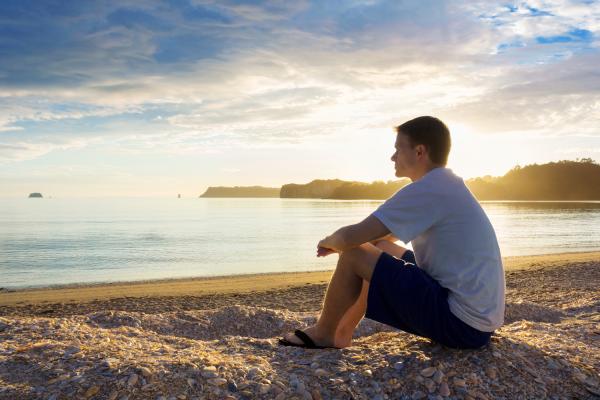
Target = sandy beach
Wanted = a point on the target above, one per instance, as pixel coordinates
(216, 338)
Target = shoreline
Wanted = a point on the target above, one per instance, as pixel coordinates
(230, 284)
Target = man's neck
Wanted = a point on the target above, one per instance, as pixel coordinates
(423, 171)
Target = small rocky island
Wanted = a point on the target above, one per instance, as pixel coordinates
(35, 195)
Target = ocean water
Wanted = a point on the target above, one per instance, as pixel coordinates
(45, 242)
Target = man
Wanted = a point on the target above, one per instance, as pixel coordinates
(451, 289)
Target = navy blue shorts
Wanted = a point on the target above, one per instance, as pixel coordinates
(406, 297)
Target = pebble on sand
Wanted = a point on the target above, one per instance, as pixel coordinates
(438, 376)
(428, 372)
(418, 395)
(91, 391)
(460, 382)
(316, 394)
(217, 381)
(491, 372)
(146, 373)
(264, 388)
(133, 379)
(444, 389)
(209, 372)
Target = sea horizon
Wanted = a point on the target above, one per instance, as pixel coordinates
(165, 197)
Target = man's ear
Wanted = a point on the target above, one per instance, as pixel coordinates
(421, 149)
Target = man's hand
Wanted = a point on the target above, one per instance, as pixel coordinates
(353, 235)
(323, 252)
(327, 246)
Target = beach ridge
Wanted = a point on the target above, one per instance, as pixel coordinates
(201, 342)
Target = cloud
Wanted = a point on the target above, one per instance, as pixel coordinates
(27, 150)
(253, 11)
(555, 98)
(10, 128)
(131, 18)
(263, 73)
(580, 150)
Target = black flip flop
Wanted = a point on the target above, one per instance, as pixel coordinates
(307, 342)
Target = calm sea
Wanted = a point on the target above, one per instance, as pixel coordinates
(47, 242)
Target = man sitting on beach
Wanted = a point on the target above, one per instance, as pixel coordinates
(451, 289)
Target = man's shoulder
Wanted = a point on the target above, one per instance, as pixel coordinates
(438, 181)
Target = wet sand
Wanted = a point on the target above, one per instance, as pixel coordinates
(230, 284)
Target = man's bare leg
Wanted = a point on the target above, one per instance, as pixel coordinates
(350, 320)
(345, 330)
(354, 266)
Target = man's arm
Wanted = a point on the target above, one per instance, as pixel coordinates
(389, 238)
(353, 235)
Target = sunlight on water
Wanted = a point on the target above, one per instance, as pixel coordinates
(55, 241)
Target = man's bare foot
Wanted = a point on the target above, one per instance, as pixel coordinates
(343, 342)
(343, 337)
(316, 337)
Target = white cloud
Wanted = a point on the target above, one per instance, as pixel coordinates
(579, 150)
(10, 128)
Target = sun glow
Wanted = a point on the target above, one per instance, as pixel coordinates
(474, 154)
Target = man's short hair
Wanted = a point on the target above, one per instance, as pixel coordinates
(430, 132)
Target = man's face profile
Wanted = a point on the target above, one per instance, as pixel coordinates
(404, 157)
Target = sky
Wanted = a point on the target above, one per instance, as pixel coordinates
(156, 98)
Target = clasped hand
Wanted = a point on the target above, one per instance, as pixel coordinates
(326, 247)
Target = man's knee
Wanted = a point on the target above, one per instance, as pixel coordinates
(360, 259)
(355, 254)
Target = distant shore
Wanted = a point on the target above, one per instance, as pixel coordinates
(531, 182)
(229, 284)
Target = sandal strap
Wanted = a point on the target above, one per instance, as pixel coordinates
(305, 338)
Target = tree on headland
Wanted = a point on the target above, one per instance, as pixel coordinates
(562, 180)
(317, 189)
(377, 190)
(342, 190)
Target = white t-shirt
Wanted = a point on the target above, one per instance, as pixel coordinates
(454, 242)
